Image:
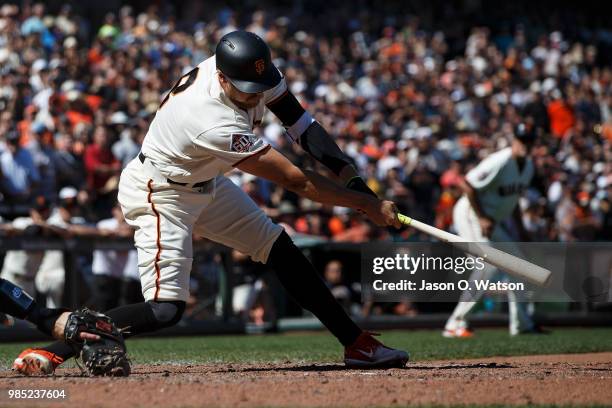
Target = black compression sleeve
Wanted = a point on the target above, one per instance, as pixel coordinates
(314, 140)
(319, 144)
(287, 108)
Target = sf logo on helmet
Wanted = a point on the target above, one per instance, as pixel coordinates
(260, 66)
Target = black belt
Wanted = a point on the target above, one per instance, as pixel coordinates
(142, 159)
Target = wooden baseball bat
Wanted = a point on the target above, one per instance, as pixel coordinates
(509, 263)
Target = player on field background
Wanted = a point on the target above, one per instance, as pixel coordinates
(491, 193)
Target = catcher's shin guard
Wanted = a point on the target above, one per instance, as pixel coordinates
(14, 300)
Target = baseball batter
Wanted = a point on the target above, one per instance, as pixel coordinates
(176, 187)
(491, 193)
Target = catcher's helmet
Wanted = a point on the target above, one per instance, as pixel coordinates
(245, 60)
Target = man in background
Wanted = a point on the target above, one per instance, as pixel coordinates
(491, 193)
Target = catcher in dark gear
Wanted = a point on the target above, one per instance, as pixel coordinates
(104, 356)
(95, 339)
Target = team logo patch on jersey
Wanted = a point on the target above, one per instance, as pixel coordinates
(244, 143)
(260, 66)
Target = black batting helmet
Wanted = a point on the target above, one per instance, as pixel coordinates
(245, 60)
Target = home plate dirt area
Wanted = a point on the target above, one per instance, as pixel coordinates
(583, 379)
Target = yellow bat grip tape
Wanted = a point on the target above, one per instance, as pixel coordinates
(404, 219)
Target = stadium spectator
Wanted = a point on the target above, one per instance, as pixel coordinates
(402, 98)
(335, 282)
(414, 101)
(67, 221)
(128, 145)
(100, 163)
(21, 266)
(109, 265)
(102, 170)
(20, 175)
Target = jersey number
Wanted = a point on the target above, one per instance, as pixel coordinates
(183, 83)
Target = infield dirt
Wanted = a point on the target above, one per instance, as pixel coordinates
(580, 379)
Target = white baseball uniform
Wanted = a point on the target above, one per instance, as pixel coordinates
(197, 135)
(498, 182)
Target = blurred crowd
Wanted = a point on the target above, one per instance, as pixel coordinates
(413, 105)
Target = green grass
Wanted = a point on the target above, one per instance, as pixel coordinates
(322, 347)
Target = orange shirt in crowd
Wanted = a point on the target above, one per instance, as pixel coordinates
(75, 118)
(336, 226)
(444, 210)
(561, 118)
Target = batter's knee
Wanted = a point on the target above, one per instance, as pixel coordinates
(167, 313)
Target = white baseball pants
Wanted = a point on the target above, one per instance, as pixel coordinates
(467, 226)
(166, 216)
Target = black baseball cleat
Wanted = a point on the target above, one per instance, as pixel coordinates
(367, 352)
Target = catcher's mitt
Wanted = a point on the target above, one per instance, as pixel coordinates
(107, 356)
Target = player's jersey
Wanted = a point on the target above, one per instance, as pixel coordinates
(499, 183)
(198, 133)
